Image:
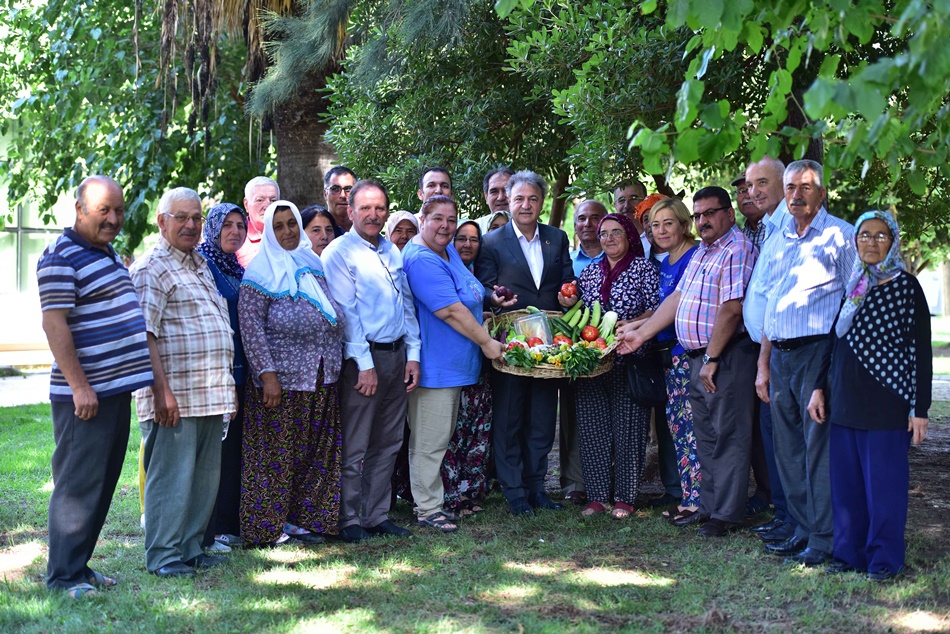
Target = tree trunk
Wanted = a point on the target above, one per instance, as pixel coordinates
(558, 203)
(303, 155)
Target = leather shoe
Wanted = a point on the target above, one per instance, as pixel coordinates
(838, 567)
(174, 569)
(717, 528)
(663, 501)
(541, 501)
(520, 506)
(810, 557)
(352, 534)
(778, 535)
(881, 576)
(791, 546)
(693, 518)
(206, 561)
(576, 497)
(771, 525)
(386, 527)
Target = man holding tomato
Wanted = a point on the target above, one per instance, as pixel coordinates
(531, 261)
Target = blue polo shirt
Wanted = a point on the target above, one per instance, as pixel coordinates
(447, 359)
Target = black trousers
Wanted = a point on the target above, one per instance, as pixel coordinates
(524, 421)
(87, 462)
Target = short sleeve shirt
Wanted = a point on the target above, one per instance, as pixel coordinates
(189, 319)
(104, 316)
(717, 273)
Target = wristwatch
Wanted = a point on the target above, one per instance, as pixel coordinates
(708, 359)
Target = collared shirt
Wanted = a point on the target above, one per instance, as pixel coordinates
(532, 253)
(580, 259)
(104, 318)
(756, 236)
(756, 295)
(370, 286)
(189, 319)
(250, 248)
(807, 277)
(717, 273)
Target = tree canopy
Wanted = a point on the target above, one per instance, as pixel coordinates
(82, 91)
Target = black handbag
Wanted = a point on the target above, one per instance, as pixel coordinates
(645, 380)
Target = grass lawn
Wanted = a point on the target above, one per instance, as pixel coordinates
(552, 573)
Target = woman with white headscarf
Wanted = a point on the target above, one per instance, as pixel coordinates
(293, 338)
(880, 390)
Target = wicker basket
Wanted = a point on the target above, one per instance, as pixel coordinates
(544, 370)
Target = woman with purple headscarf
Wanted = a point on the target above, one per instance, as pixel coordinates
(878, 395)
(224, 233)
(612, 428)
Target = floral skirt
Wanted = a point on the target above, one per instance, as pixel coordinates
(465, 466)
(292, 458)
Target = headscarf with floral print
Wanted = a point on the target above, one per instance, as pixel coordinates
(865, 276)
(227, 263)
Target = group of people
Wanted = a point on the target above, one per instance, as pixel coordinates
(281, 360)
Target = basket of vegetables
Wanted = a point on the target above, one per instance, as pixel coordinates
(552, 345)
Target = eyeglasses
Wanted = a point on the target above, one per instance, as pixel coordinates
(634, 199)
(880, 238)
(465, 240)
(709, 213)
(614, 233)
(336, 189)
(184, 218)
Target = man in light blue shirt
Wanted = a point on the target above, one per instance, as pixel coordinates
(587, 216)
(381, 366)
(811, 261)
(765, 189)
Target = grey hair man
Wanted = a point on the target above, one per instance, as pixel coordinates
(259, 193)
(192, 349)
(96, 333)
(810, 264)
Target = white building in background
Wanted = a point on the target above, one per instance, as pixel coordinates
(22, 241)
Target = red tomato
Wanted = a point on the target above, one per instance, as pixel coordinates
(600, 343)
(515, 344)
(559, 339)
(569, 289)
(590, 333)
(535, 341)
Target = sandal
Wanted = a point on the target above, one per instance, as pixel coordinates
(438, 521)
(469, 507)
(80, 590)
(621, 511)
(99, 580)
(593, 508)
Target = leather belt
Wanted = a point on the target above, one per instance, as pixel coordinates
(389, 346)
(696, 352)
(786, 345)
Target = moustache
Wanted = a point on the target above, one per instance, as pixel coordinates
(108, 225)
(798, 202)
(187, 232)
(704, 227)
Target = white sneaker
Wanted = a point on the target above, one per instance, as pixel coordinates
(217, 548)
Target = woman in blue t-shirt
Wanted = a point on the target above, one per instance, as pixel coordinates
(671, 225)
(448, 300)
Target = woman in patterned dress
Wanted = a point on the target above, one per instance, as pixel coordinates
(465, 467)
(671, 225)
(293, 338)
(880, 379)
(612, 428)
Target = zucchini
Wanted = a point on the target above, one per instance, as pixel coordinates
(584, 318)
(531, 310)
(595, 316)
(573, 310)
(576, 319)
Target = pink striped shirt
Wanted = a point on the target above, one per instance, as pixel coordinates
(717, 273)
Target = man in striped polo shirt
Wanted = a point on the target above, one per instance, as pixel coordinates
(96, 332)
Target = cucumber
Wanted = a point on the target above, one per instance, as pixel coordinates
(573, 310)
(531, 310)
(560, 325)
(595, 316)
(576, 319)
(584, 318)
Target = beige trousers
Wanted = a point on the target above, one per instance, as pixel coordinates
(433, 413)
